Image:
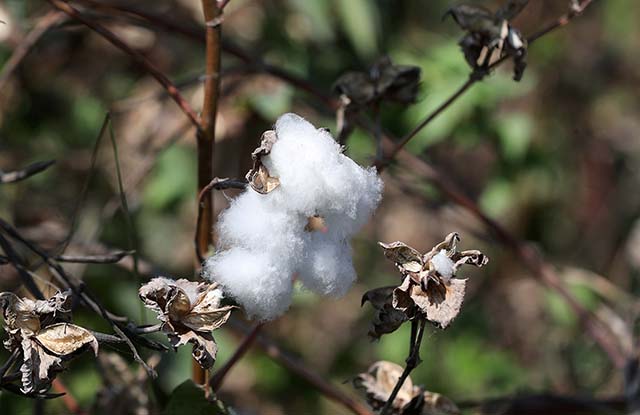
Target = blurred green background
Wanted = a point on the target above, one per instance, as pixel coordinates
(554, 158)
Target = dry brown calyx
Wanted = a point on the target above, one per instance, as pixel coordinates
(378, 382)
(46, 339)
(189, 312)
(428, 289)
(258, 177)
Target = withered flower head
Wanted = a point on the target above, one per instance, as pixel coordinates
(378, 383)
(40, 328)
(189, 312)
(490, 36)
(383, 81)
(428, 290)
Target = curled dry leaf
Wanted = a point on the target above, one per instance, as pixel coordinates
(46, 343)
(379, 381)
(189, 312)
(258, 177)
(428, 288)
(490, 36)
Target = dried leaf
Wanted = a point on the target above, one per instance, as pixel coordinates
(405, 257)
(204, 346)
(378, 383)
(472, 257)
(38, 367)
(475, 19)
(383, 81)
(267, 141)
(511, 9)
(436, 404)
(64, 339)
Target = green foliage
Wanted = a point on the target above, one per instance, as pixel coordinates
(189, 397)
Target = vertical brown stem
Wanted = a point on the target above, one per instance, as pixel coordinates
(206, 138)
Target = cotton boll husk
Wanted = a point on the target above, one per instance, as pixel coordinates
(327, 268)
(258, 281)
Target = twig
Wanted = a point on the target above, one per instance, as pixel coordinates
(204, 194)
(78, 289)
(25, 173)
(19, 266)
(271, 349)
(417, 330)
(44, 24)
(67, 398)
(95, 259)
(216, 380)
(477, 76)
(135, 55)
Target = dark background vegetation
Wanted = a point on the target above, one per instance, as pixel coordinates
(553, 158)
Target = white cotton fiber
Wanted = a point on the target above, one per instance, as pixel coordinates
(443, 264)
(262, 238)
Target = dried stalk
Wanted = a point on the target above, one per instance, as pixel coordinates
(206, 142)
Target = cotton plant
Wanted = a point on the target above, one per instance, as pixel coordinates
(267, 237)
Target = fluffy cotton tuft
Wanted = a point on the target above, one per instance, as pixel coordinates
(262, 238)
(443, 264)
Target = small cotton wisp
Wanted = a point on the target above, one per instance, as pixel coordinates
(263, 243)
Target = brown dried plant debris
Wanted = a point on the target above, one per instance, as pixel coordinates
(383, 81)
(381, 378)
(490, 36)
(428, 289)
(258, 177)
(189, 312)
(41, 330)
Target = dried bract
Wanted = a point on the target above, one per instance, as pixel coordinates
(379, 381)
(490, 36)
(428, 289)
(258, 177)
(40, 329)
(189, 312)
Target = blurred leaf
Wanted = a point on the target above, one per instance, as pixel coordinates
(189, 398)
(515, 131)
(360, 21)
(270, 105)
(173, 178)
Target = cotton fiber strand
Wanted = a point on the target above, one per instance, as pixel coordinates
(263, 243)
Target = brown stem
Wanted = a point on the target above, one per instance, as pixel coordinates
(206, 142)
(67, 399)
(140, 59)
(216, 380)
(412, 361)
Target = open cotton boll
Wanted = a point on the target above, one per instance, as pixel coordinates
(327, 268)
(262, 236)
(261, 283)
(250, 222)
(443, 264)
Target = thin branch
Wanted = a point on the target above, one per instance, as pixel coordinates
(140, 59)
(67, 398)
(44, 24)
(295, 366)
(216, 380)
(95, 259)
(417, 330)
(475, 77)
(25, 173)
